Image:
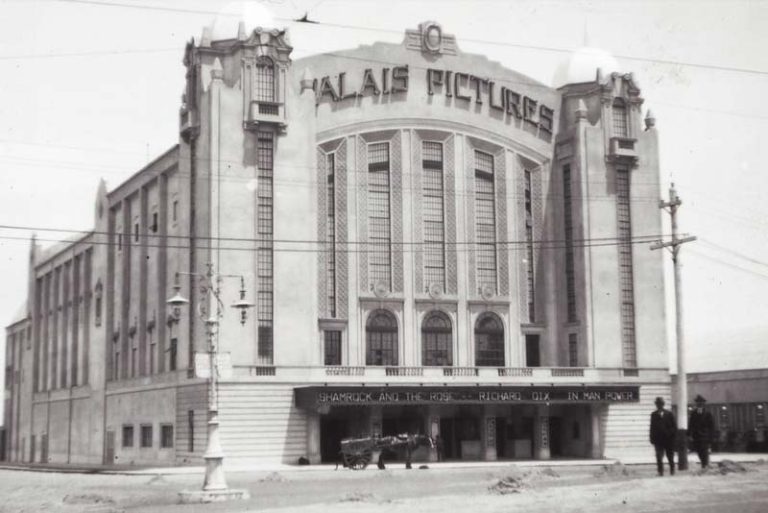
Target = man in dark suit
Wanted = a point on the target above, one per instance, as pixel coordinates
(701, 427)
(663, 430)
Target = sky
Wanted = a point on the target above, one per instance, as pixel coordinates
(89, 90)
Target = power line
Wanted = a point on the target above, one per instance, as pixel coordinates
(728, 264)
(85, 54)
(392, 246)
(84, 233)
(395, 31)
(320, 182)
(734, 253)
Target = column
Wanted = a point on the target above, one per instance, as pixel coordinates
(432, 428)
(541, 433)
(488, 435)
(596, 447)
(313, 437)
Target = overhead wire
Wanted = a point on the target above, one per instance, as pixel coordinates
(399, 32)
(86, 233)
(335, 250)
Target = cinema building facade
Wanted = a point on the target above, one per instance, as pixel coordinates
(433, 243)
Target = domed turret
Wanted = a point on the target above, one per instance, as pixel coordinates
(251, 14)
(582, 65)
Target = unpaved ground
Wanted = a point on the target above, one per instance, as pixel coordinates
(500, 489)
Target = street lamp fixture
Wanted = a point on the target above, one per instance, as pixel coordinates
(215, 485)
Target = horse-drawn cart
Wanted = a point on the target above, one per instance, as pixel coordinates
(357, 453)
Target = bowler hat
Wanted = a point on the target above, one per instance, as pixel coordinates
(700, 399)
(659, 400)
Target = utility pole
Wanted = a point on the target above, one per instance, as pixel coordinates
(671, 206)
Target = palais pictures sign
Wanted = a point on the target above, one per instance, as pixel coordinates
(463, 86)
(368, 396)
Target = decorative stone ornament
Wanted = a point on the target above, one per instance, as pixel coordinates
(650, 120)
(381, 289)
(431, 37)
(435, 290)
(487, 291)
(307, 81)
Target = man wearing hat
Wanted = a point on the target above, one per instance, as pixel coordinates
(701, 427)
(663, 430)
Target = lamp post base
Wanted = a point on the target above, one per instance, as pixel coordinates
(205, 496)
(682, 449)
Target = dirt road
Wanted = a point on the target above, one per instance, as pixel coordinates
(500, 489)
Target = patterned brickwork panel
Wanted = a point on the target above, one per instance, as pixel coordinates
(520, 252)
(342, 258)
(450, 215)
(538, 234)
(418, 236)
(396, 170)
(362, 213)
(501, 227)
(322, 221)
(469, 181)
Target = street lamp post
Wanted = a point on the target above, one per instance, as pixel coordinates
(215, 485)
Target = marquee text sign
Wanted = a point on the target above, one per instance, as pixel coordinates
(463, 86)
(317, 396)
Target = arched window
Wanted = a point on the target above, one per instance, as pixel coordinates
(436, 340)
(265, 80)
(381, 338)
(620, 127)
(489, 341)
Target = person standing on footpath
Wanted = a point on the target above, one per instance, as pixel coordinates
(701, 427)
(663, 430)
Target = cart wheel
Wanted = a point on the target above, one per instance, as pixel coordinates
(361, 460)
(349, 460)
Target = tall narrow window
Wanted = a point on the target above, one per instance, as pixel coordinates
(529, 264)
(166, 436)
(485, 220)
(573, 350)
(265, 255)
(433, 214)
(625, 268)
(331, 232)
(265, 80)
(570, 281)
(381, 338)
(127, 436)
(620, 128)
(116, 355)
(379, 228)
(172, 354)
(436, 340)
(152, 352)
(532, 351)
(489, 341)
(332, 347)
(191, 430)
(146, 435)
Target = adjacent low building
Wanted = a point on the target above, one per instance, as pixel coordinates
(738, 400)
(433, 242)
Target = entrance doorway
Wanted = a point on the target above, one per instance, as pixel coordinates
(461, 437)
(332, 431)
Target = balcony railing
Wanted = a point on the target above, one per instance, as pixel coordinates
(260, 112)
(460, 371)
(623, 148)
(440, 375)
(515, 371)
(404, 371)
